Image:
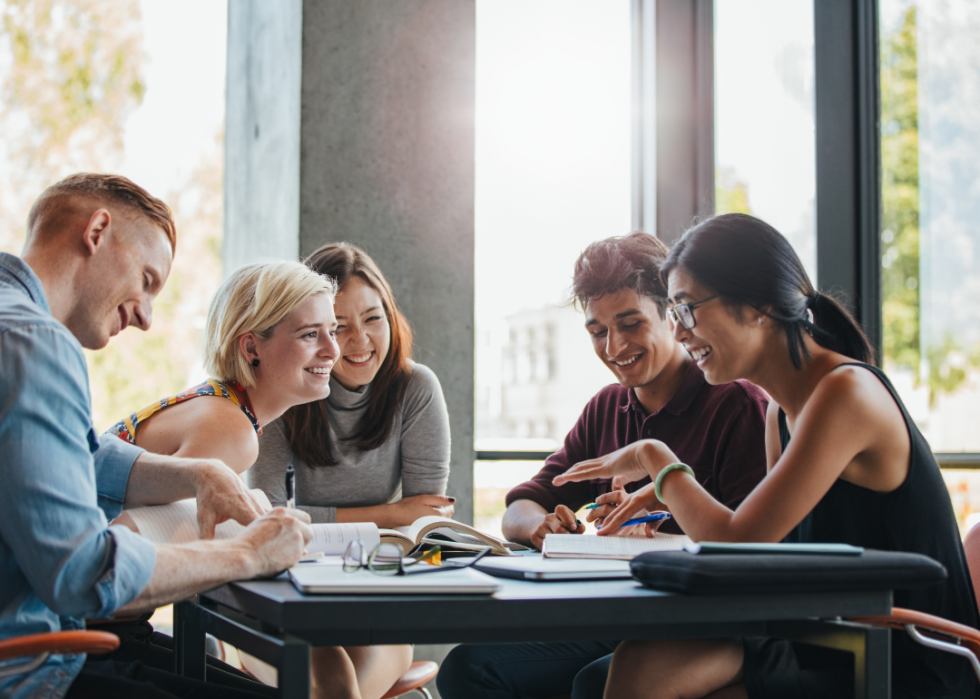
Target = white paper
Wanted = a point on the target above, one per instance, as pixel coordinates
(333, 539)
(616, 547)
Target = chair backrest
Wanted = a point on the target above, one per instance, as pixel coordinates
(971, 544)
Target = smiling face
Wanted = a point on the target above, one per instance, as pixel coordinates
(725, 344)
(120, 281)
(363, 334)
(630, 337)
(297, 358)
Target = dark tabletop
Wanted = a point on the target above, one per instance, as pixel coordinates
(524, 611)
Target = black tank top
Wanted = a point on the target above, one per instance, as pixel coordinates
(916, 517)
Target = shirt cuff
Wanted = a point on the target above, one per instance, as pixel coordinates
(133, 561)
(114, 461)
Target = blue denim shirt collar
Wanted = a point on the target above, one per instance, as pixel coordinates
(14, 270)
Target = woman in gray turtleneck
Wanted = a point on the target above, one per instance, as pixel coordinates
(376, 450)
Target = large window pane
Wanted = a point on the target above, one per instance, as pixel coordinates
(552, 175)
(764, 127)
(930, 142)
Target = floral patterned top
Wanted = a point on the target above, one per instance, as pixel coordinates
(126, 428)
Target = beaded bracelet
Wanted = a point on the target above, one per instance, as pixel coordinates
(664, 471)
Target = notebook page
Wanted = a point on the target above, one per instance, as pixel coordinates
(176, 523)
(332, 539)
(590, 546)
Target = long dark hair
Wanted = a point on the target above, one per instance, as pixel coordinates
(306, 425)
(747, 261)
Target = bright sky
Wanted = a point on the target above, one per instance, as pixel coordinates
(552, 144)
(184, 107)
(764, 128)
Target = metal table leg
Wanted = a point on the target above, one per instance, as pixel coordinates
(190, 659)
(871, 647)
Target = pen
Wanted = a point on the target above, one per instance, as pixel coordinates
(652, 517)
(290, 486)
(596, 504)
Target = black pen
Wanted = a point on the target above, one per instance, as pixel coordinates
(290, 486)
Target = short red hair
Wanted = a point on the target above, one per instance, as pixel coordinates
(106, 189)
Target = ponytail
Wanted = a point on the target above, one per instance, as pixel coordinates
(748, 262)
(834, 327)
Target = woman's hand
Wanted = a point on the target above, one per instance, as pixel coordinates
(631, 463)
(642, 502)
(407, 510)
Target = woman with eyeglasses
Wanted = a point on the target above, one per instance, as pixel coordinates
(376, 450)
(846, 464)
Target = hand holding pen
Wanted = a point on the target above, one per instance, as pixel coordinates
(290, 487)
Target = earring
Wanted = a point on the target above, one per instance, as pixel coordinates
(255, 362)
(761, 320)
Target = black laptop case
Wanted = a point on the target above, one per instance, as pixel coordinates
(750, 574)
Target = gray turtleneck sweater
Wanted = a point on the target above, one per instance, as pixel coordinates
(413, 461)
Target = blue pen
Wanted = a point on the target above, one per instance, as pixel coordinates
(652, 517)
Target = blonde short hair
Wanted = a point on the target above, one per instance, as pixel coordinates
(255, 298)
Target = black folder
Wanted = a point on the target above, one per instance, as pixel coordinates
(751, 574)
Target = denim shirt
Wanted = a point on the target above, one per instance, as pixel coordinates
(60, 562)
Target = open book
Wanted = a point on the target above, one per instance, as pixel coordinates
(446, 532)
(623, 548)
(176, 523)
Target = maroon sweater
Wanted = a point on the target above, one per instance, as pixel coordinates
(719, 431)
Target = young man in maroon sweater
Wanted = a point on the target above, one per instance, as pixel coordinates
(662, 394)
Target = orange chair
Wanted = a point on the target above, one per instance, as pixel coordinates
(36, 648)
(933, 631)
(418, 674)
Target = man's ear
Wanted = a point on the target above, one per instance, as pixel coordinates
(94, 235)
(248, 346)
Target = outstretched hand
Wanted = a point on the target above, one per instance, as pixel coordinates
(631, 463)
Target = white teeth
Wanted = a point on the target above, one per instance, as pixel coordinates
(700, 353)
(627, 362)
(319, 370)
(358, 358)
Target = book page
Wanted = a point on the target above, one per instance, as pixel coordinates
(176, 523)
(616, 547)
(333, 539)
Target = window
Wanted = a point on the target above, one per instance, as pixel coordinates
(764, 126)
(930, 142)
(553, 148)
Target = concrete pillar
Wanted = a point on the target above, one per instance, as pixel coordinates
(262, 135)
(387, 163)
(353, 120)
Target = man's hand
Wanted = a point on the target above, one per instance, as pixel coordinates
(221, 495)
(561, 521)
(276, 540)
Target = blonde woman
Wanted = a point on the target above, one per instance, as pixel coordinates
(270, 346)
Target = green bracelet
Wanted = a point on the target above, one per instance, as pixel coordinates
(664, 471)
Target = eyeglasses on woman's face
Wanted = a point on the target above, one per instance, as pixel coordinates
(389, 559)
(683, 313)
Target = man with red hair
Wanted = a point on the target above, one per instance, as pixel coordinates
(98, 251)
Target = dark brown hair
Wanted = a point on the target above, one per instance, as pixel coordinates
(105, 189)
(306, 425)
(746, 261)
(626, 262)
